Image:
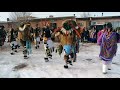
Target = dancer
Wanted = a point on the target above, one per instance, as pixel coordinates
(48, 43)
(69, 35)
(37, 36)
(26, 38)
(108, 47)
(12, 39)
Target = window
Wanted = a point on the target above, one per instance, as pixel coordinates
(93, 23)
(115, 24)
(81, 24)
(52, 20)
(118, 23)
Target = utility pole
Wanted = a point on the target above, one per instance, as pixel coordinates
(74, 17)
(90, 21)
(102, 14)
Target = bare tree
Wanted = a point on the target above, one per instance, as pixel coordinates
(85, 14)
(19, 16)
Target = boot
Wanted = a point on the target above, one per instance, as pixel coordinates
(12, 53)
(66, 61)
(15, 50)
(69, 62)
(65, 66)
(46, 59)
(104, 69)
(25, 53)
(109, 66)
(50, 56)
(26, 57)
(36, 46)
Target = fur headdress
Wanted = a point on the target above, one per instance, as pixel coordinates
(68, 26)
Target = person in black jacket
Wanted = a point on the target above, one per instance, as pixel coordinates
(37, 36)
(47, 32)
(2, 35)
(13, 42)
(48, 44)
(86, 35)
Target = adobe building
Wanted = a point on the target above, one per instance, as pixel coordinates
(83, 22)
(86, 22)
(51, 21)
(26, 17)
(115, 20)
(57, 21)
(8, 24)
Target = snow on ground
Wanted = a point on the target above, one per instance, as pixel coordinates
(88, 64)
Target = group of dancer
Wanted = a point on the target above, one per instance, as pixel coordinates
(69, 36)
(25, 36)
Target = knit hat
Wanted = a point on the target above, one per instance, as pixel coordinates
(109, 25)
(105, 25)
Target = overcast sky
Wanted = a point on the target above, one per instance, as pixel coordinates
(5, 15)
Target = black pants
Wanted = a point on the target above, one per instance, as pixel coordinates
(23, 42)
